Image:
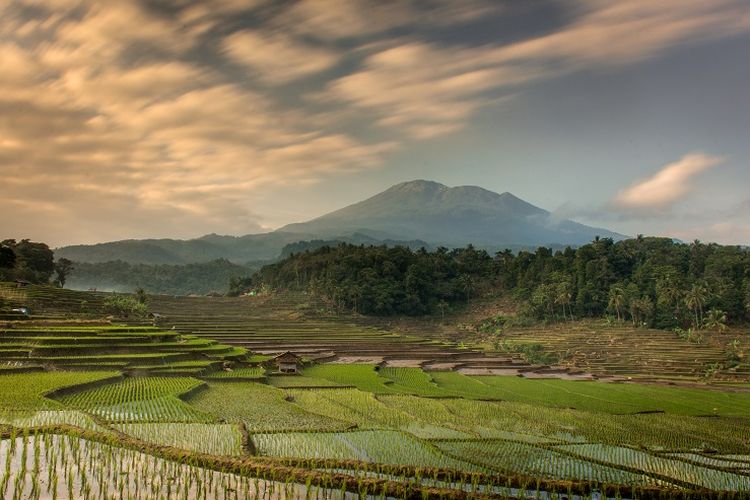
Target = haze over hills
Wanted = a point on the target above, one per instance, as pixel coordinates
(416, 213)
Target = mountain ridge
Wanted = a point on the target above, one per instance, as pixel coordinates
(412, 213)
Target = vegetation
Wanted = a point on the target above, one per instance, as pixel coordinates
(26, 260)
(646, 281)
(220, 425)
(124, 306)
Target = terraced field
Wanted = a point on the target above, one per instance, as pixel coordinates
(176, 413)
(623, 350)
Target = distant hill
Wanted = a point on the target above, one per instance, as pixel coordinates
(237, 249)
(417, 213)
(441, 215)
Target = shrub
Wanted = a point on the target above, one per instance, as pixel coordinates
(125, 307)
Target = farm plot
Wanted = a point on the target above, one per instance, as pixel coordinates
(28, 390)
(386, 447)
(364, 410)
(214, 439)
(289, 382)
(468, 419)
(363, 377)
(413, 381)
(53, 466)
(259, 406)
(538, 462)
(248, 373)
(139, 399)
(596, 396)
(684, 472)
(29, 419)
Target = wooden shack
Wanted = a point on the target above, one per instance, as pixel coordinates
(288, 362)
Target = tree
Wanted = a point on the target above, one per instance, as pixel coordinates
(63, 268)
(140, 296)
(617, 299)
(715, 319)
(7, 257)
(34, 261)
(466, 283)
(641, 310)
(564, 295)
(695, 298)
(7, 262)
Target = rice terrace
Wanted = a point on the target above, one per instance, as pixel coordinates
(188, 403)
(368, 249)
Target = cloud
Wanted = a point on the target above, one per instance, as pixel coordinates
(428, 89)
(333, 19)
(111, 129)
(173, 115)
(668, 186)
(276, 58)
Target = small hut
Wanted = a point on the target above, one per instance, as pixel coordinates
(288, 362)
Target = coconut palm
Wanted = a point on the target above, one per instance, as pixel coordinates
(715, 319)
(564, 296)
(695, 299)
(617, 299)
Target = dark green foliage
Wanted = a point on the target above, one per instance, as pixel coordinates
(33, 262)
(7, 257)
(379, 279)
(63, 268)
(651, 281)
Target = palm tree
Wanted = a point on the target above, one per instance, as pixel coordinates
(695, 298)
(617, 299)
(563, 296)
(716, 319)
(467, 285)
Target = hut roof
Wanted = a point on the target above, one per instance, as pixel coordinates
(287, 357)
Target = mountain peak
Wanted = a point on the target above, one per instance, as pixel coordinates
(418, 185)
(452, 216)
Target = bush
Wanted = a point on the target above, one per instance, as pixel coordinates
(125, 307)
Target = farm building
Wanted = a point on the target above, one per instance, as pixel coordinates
(288, 362)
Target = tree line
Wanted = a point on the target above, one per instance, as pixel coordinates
(646, 280)
(32, 262)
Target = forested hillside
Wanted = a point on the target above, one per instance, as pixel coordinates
(652, 281)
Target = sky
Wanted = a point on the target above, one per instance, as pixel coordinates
(175, 118)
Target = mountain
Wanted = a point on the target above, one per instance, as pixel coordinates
(447, 216)
(415, 214)
(238, 249)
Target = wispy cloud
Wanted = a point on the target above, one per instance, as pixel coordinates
(178, 113)
(668, 186)
(275, 57)
(428, 89)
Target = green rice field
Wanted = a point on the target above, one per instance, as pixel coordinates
(84, 415)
